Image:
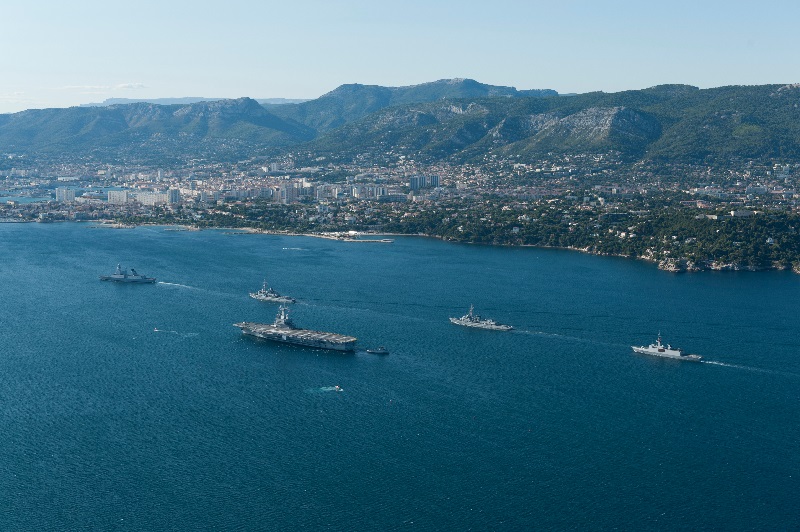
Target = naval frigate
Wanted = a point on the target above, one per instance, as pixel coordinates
(470, 319)
(122, 276)
(667, 351)
(267, 293)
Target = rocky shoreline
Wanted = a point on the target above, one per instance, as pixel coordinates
(686, 265)
(673, 265)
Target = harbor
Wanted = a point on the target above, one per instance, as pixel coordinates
(146, 389)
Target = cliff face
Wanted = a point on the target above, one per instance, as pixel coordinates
(472, 129)
(594, 128)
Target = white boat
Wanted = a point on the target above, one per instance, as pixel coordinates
(268, 294)
(667, 351)
(470, 319)
(378, 351)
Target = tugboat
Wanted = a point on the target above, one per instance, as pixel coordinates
(285, 331)
(378, 351)
(122, 276)
(470, 319)
(268, 294)
(667, 351)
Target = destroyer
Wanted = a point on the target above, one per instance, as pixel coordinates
(268, 294)
(667, 351)
(470, 319)
(284, 331)
(122, 276)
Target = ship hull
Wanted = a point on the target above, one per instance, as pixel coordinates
(144, 280)
(281, 299)
(646, 351)
(484, 326)
(300, 337)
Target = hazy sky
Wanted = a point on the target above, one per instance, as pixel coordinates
(59, 54)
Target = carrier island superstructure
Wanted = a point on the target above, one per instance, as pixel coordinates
(284, 331)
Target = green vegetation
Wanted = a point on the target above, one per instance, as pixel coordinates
(759, 242)
(668, 233)
(457, 122)
(664, 124)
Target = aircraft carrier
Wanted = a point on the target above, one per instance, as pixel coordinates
(284, 331)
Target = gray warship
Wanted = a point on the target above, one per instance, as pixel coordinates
(268, 294)
(122, 276)
(285, 331)
(667, 351)
(470, 319)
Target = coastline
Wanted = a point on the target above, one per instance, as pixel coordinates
(672, 265)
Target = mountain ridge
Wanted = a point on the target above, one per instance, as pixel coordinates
(667, 123)
(140, 127)
(352, 101)
(433, 121)
(185, 100)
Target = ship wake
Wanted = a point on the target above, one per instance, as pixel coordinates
(325, 389)
(749, 368)
(179, 285)
(563, 337)
(182, 335)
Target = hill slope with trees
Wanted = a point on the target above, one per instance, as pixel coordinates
(453, 120)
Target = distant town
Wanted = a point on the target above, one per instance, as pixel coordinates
(744, 217)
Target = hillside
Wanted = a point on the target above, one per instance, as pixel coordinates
(225, 126)
(183, 101)
(351, 102)
(456, 120)
(668, 123)
(217, 128)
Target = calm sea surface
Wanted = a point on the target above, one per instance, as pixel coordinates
(143, 408)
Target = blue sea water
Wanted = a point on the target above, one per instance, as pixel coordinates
(143, 408)
(24, 199)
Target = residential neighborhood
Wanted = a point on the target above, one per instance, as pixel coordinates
(593, 203)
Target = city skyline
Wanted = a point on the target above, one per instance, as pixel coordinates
(88, 51)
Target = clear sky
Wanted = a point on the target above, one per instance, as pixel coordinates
(64, 53)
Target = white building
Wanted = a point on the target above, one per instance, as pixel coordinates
(152, 198)
(118, 197)
(172, 196)
(64, 195)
